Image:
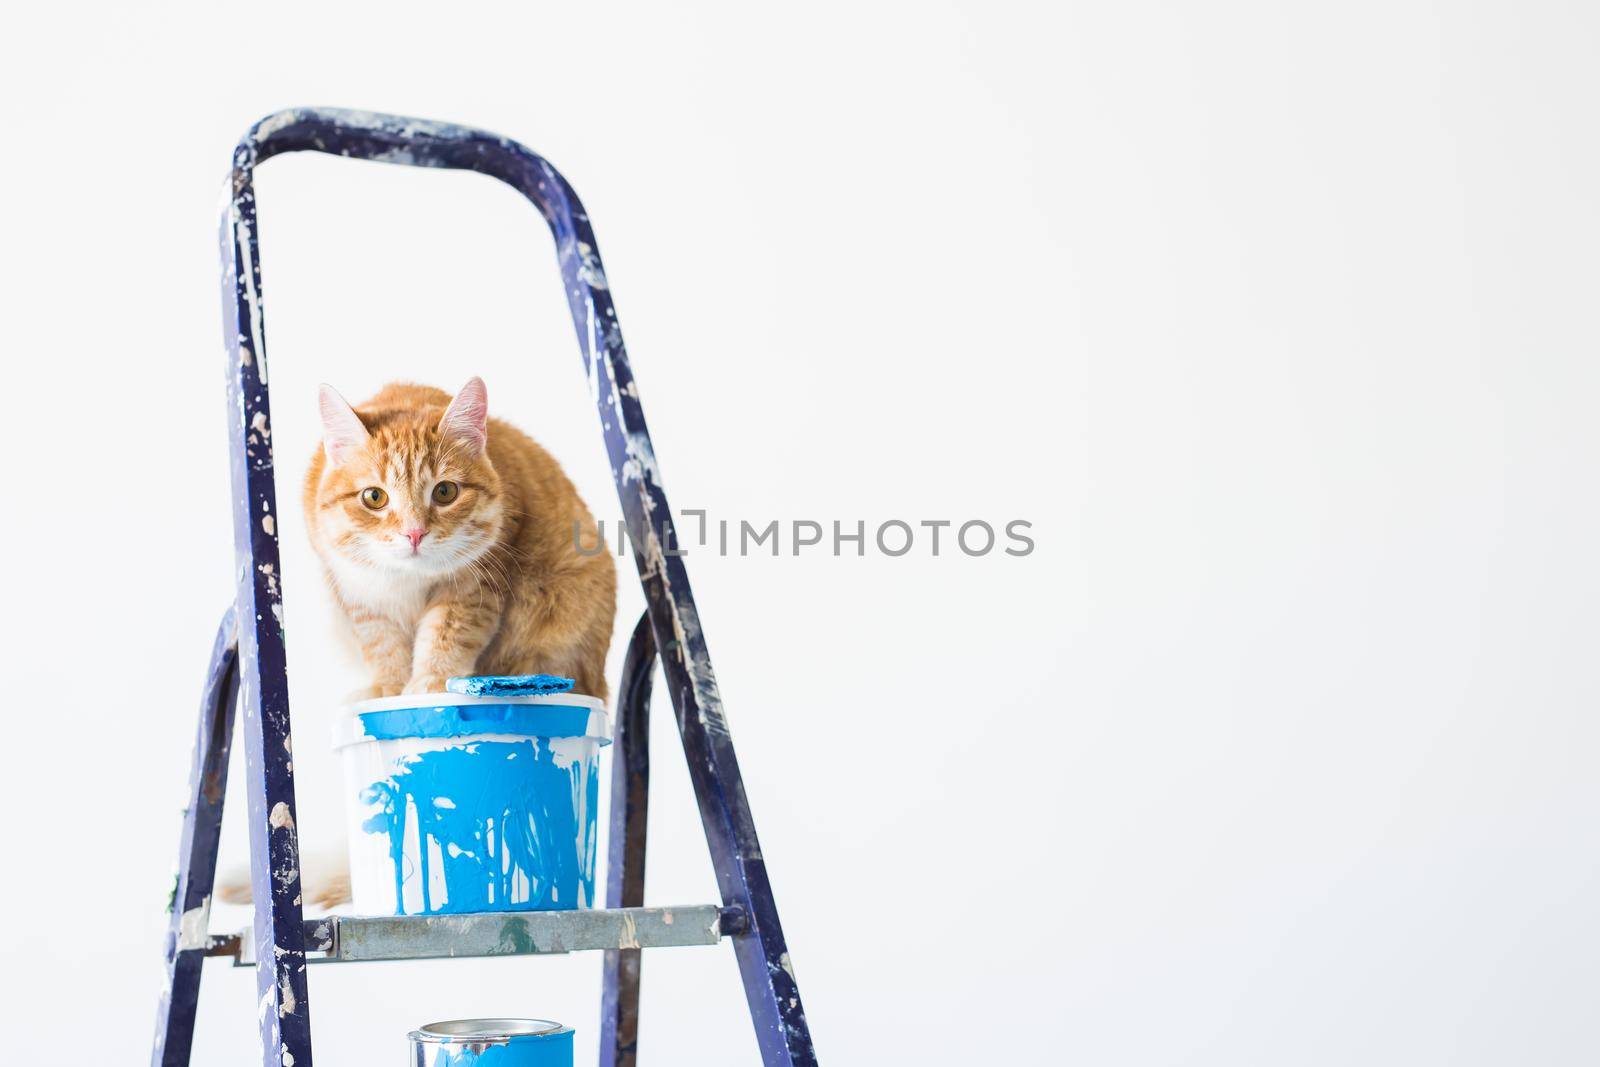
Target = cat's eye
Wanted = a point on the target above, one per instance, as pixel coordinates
(374, 498)
(445, 492)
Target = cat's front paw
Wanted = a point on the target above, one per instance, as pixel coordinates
(425, 683)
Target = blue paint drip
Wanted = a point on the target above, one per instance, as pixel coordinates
(500, 685)
(494, 810)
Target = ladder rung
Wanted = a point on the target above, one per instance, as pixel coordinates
(352, 938)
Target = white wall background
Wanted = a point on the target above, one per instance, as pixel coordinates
(1277, 321)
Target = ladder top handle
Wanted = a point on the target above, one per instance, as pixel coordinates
(407, 142)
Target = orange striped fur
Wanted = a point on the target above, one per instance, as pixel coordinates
(436, 582)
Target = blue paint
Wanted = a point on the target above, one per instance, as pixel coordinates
(528, 1051)
(502, 818)
(469, 804)
(488, 685)
(553, 1049)
(461, 720)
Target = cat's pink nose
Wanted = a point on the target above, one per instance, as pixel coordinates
(415, 537)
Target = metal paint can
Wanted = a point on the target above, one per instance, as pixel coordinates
(492, 1043)
(472, 803)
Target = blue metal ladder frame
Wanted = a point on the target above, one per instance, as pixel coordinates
(248, 657)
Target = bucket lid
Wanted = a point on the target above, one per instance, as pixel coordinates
(486, 1031)
(456, 715)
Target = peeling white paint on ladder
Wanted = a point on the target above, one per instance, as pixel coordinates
(194, 928)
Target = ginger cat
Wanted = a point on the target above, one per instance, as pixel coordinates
(448, 539)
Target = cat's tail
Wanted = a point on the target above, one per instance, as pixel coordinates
(326, 889)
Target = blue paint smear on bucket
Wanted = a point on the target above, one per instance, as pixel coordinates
(525, 1050)
(457, 720)
(497, 812)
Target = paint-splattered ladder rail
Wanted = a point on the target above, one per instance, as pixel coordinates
(365, 938)
(248, 661)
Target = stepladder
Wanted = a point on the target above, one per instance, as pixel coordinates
(246, 684)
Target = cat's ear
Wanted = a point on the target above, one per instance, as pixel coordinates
(467, 417)
(342, 429)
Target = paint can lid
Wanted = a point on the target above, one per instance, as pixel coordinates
(486, 1031)
(457, 715)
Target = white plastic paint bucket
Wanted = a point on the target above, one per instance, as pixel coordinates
(465, 804)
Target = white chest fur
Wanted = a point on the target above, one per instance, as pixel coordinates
(398, 597)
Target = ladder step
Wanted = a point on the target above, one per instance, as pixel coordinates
(354, 938)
